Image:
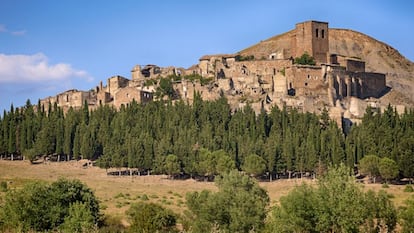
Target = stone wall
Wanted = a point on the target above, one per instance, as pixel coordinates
(373, 84)
(355, 65)
(70, 98)
(115, 83)
(125, 95)
(306, 80)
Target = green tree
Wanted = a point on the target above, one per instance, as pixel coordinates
(254, 165)
(172, 165)
(407, 216)
(297, 212)
(339, 210)
(41, 207)
(207, 163)
(337, 204)
(381, 213)
(30, 154)
(388, 168)
(151, 217)
(305, 59)
(370, 165)
(79, 219)
(224, 162)
(238, 206)
(165, 88)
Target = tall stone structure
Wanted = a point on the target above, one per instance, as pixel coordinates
(311, 37)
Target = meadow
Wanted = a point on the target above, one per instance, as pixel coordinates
(117, 193)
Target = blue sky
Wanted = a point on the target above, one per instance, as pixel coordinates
(49, 46)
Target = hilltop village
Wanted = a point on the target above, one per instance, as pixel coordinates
(260, 76)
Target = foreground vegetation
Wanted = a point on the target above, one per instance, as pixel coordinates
(335, 204)
(64, 205)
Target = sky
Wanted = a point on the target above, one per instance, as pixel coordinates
(49, 46)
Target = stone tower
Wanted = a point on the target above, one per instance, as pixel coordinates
(311, 37)
(136, 73)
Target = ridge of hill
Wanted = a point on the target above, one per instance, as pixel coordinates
(379, 57)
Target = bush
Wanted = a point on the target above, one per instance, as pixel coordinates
(144, 197)
(238, 206)
(112, 224)
(305, 59)
(407, 215)
(332, 206)
(119, 195)
(3, 186)
(385, 185)
(244, 58)
(104, 207)
(151, 217)
(79, 219)
(42, 207)
(408, 189)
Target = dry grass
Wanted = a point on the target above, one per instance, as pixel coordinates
(117, 193)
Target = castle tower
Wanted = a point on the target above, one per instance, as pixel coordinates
(311, 37)
(136, 73)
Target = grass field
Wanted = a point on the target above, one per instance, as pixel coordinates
(117, 193)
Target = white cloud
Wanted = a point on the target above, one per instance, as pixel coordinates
(3, 28)
(36, 68)
(18, 33)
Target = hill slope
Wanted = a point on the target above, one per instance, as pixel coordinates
(379, 57)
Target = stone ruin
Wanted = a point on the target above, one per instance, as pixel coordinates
(263, 79)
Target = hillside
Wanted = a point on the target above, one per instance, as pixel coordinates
(379, 57)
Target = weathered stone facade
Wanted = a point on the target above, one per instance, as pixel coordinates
(71, 98)
(311, 37)
(267, 77)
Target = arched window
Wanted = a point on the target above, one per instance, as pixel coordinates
(317, 33)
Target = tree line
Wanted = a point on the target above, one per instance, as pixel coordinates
(206, 138)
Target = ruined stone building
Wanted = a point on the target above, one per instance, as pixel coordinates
(272, 76)
(263, 75)
(71, 98)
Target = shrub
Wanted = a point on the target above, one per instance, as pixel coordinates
(151, 217)
(407, 215)
(408, 189)
(3, 186)
(238, 206)
(144, 197)
(112, 224)
(244, 58)
(43, 207)
(79, 219)
(305, 59)
(177, 195)
(104, 207)
(119, 195)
